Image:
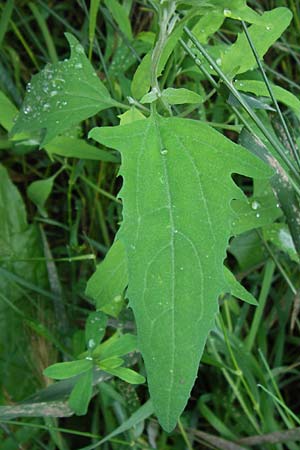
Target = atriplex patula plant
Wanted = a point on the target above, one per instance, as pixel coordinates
(180, 203)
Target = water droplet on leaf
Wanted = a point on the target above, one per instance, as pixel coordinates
(227, 12)
(255, 205)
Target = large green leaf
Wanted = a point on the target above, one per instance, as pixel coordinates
(62, 95)
(175, 250)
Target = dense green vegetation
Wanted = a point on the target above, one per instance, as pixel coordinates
(150, 223)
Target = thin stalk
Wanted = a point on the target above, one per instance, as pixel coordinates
(279, 266)
(278, 110)
(236, 391)
(244, 104)
(266, 285)
(184, 435)
(239, 372)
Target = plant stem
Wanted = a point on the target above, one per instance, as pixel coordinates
(283, 122)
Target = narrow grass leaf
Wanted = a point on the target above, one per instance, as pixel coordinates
(175, 252)
(137, 417)
(120, 15)
(5, 18)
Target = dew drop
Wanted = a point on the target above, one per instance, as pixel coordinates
(53, 93)
(27, 109)
(257, 215)
(219, 61)
(164, 151)
(89, 358)
(46, 107)
(277, 205)
(79, 49)
(117, 298)
(91, 343)
(78, 65)
(197, 61)
(227, 12)
(28, 87)
(255, 205)
(268, 28)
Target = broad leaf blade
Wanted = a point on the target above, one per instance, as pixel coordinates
(175, 251)
(62, 95)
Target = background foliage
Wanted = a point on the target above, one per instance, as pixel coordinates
(60, 212)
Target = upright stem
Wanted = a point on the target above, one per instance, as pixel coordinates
(165, 14)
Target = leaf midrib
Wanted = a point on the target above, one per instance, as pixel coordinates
(172, 247)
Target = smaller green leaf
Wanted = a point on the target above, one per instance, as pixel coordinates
(116, 346)
(280, 236)
(62, 95)
(39, 191)
(150, 97)
(132, 115)
(120, 15)
(239, 57)
(141, 79)
(81, 394)
(207, 25)
(95, 329)
(107, 284)
(128, 375)
(181, 96)
(70, 147)
(247, 250)
(62, 371)
(237, 290)
(110, 363)
(259, 88)
(8, 112)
